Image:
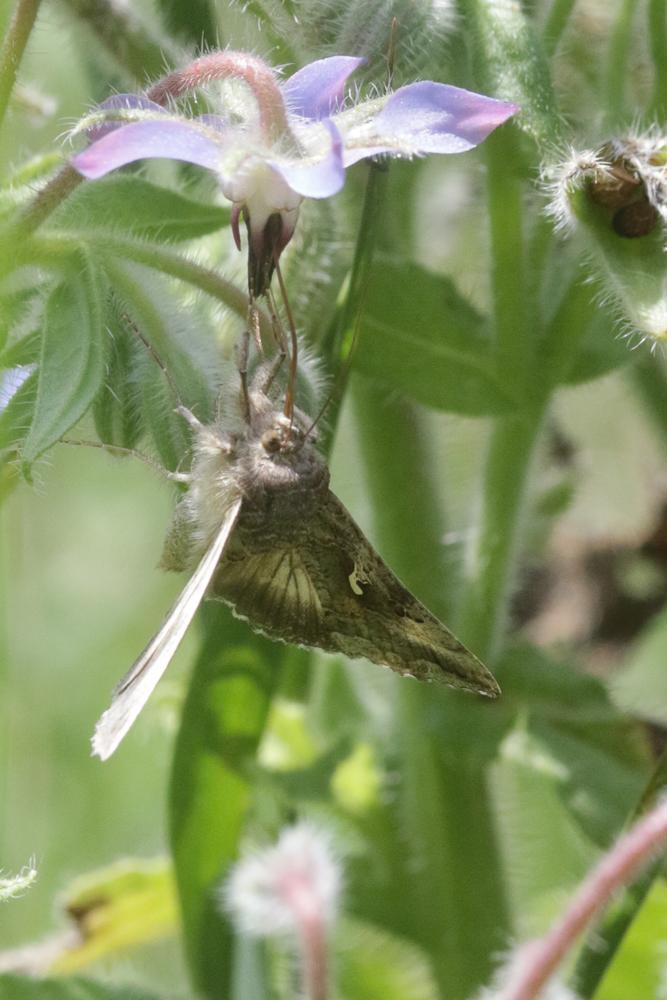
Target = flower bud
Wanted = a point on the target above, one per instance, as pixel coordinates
(616, 196)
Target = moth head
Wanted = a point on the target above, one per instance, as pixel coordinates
(283, 435)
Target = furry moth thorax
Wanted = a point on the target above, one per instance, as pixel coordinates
(268, 460)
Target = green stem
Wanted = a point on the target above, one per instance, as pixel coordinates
(493, 554)
(606, 937)
(504, 190)
(617, 61)
(657, 37)
(13, 48)
(40, 208)
(492, 557)
(456, 895)
(337, 347)
(557, 20)
(128, 40)
(650, 379)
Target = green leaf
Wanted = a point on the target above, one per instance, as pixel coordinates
(117, 409)
(195, 22)
(639, 967)
(419, 335)
(117, 908)
(71, 365)
(596, 756)
(602, 350)
(22, 988)
(639, 686)
(132, 205)
(211, 788)
(372, 964)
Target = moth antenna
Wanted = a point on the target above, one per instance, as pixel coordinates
(391, 50)
(116, 449)
(322, 410)
(294, 354)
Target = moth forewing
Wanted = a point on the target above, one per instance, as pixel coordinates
(136, 687)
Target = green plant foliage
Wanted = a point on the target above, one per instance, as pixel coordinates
(452, 321)
(134, 206)
(449, 366)
(19, 988)
(71, 363)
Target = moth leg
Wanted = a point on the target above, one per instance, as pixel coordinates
(291, 380)
(242, 350)
(173, 388)
(116, 449)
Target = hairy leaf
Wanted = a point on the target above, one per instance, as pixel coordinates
(71, 364)
(134, 206)
(420, 336)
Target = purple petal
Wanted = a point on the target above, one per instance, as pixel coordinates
(126, 101)
(172, 140)
(321, 179)
(318, 89)
(431, 117)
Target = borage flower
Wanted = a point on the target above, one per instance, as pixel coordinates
(282, 141)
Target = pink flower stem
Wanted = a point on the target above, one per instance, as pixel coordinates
(538, 960)
(259, 77)
(314, 958)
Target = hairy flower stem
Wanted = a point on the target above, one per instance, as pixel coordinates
(254, 72)
(537, 961)
(604, 939)
(40, 208)
(314, 958)
(13, 48)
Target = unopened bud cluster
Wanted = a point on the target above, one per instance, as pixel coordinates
(616, 195)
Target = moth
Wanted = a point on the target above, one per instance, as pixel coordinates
(274, 543)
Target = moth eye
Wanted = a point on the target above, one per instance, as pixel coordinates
(271, 441)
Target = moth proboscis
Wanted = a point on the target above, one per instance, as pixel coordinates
(278, 546)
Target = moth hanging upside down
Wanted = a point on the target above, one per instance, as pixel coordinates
(277, 546)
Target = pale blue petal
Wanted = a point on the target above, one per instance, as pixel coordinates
(439, 118)
(171, 140)
(317, 90)
(316, 180)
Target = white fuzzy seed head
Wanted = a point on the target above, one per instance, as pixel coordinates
(275, 891)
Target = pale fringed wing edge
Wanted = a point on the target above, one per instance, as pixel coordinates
(136, 687)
